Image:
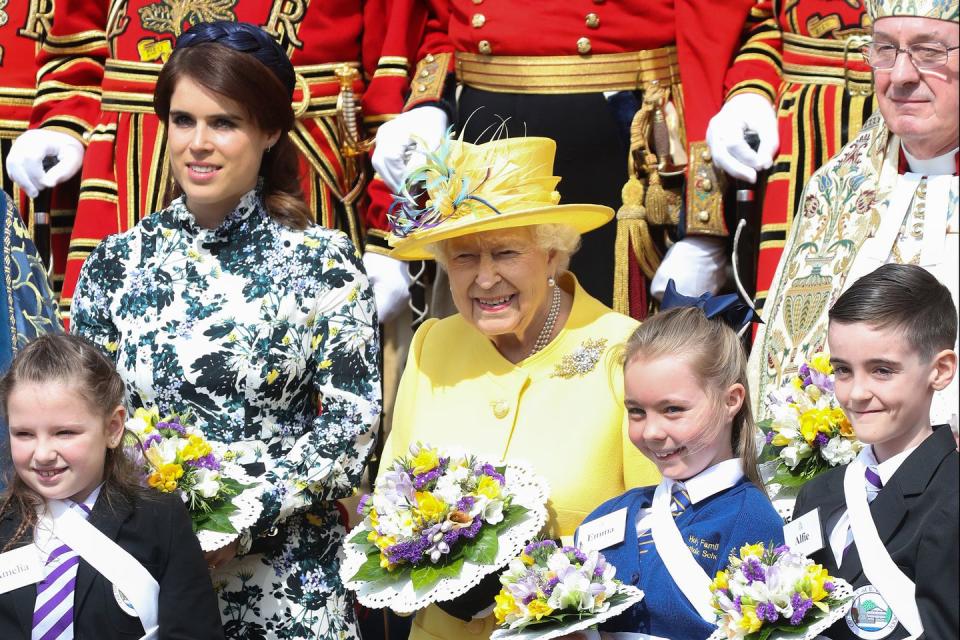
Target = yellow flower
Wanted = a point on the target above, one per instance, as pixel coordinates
(797, 383)
(815, 421)
(821, 362)
(352, 295)
(286, 340)
(316, 341)
(846, 429)
(425, 460)
(311, 243)
(165, 477)
(720, 581)
(196, 448)
(817, 575)
(326, 364)
(488, 487)
(273, 375)
(525, 559)
(749, 622)
(779, 440)
(429, 507)
(385, 563)
(505, 606)
(539, 608)
(748, 550)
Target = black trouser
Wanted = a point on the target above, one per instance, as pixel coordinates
(591, 160)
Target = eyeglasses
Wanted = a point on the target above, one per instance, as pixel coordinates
(924, 55)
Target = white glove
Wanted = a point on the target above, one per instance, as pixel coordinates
(25, 160)
(391, 282)
(725, 136)
(696, 265)
(396, 153)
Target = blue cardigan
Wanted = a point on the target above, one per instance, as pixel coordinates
(713, 528)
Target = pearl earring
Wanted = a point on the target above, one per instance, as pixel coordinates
(551, 282)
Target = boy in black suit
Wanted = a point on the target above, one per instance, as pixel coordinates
(890, 517)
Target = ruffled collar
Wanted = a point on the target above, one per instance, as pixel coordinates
(251, 207)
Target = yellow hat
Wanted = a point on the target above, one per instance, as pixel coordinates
(938, 9)
(466, 188)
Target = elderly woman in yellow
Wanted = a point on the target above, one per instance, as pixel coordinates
(527, 369)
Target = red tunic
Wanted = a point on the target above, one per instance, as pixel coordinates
(99, 65)
(801, 56)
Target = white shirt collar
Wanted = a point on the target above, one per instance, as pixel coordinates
(888, 467)
(941, 165)
(715, 479)
(92, 498)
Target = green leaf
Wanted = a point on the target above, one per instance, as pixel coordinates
(360, 537)
(370, 571)
(429, 574)
(513, 515)
(220, 522)
(483, 549)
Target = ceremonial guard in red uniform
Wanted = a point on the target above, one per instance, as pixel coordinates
(98, 65)
(580, 71)
(22, 24)
(799, 78)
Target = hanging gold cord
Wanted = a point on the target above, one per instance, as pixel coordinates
(633, 233)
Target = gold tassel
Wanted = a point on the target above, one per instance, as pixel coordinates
(633, 234)
(657, 201)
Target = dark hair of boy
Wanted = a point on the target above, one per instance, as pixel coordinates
(905, 297)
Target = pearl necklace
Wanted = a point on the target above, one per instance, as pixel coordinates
(544, 338)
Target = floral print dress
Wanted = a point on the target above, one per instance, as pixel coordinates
(267, 335)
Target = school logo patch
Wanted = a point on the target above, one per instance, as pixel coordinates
(870, 617)
(124, 602)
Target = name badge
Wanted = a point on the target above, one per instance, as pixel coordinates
(20, 567)
(804, 535)
(603, 532)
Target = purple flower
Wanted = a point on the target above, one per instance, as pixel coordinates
(769, 437)
(423, 479)
(767, 611)
(821, 440)
(736, 604)
(363, 502)
(530, 597)
(152, 438)
(550, 545)
(206, 462)
(466, 503)
(471, 532)
(173, 425)
(800, 607)
(550, 586)
(804, 370)
(489, 470)
(753, 570)
(822, 380)
(578, 555)
(829, 587)
(782, 549)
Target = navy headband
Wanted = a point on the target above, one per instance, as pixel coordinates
(729, 308)
(246, 38)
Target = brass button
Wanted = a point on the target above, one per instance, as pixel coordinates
(478, 20)
(477, 1)
(429, 57)
(593, 20)
(705, 155)
(484, 47)
(421, 88)
(583, 45)
(703, 216)
(500, 409)
(425, 74)
(706, 184)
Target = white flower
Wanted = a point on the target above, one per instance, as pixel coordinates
(162, 452)
(838, 450)
(493, 512)
(793, 454)
(137, 425)
(208, 483)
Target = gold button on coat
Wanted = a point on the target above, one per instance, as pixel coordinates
(484, 47)
(706, 184)
(583, 45)
(500, 409)
(478, 20)
(703, 216)
(477, 1)
(705, 156)
(593, 20)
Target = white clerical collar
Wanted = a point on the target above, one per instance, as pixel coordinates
(941, 165)
(888, 467)
(715, 479)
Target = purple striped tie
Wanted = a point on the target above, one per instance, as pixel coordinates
(874, 484)
(53, 610)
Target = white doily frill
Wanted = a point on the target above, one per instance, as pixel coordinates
(530, 491)
(842, 589)
(548, 631)
(248, 506)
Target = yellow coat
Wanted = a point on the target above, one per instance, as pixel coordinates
(457, 390)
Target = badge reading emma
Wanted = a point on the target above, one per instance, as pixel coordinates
(870, 617)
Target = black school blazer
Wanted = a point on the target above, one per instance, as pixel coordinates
(917, 514)
(155, 529)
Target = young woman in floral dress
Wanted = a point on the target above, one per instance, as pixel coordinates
(231, 305)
